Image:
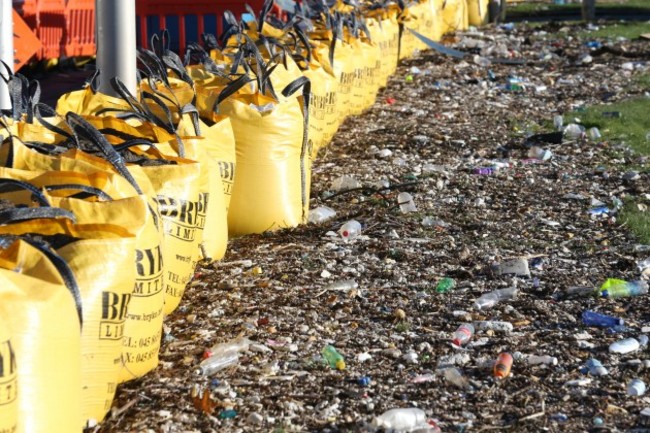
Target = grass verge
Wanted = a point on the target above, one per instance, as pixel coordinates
(629, 30)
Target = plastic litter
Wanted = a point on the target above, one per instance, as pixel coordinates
(627, 345)
(406, 203)
(404, 419)
(502, 365)
(463, 334)
(445, 285)
(491, 299)
(333, 357)
(592, 318)
(636, 387)
(321, 214)
(595, 367)
(350, 230)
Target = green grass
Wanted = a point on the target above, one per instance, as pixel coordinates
(643, 81)
(639, 222)
(631, 128)
(629, 30)
(528, 7)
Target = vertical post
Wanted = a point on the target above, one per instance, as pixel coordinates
(588, 10)
(6, 49)
(116, 44)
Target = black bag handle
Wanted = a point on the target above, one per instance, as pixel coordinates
(20, 214)
(291, 88)
(231, 89)
(59, 264)
(85, 130)
(41, 108)
(11, 185)
(85, 191)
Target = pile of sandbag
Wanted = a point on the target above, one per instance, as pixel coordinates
(107, 203)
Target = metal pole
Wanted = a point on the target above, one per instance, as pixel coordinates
(6, 49)
(589, 10)
(116, 51)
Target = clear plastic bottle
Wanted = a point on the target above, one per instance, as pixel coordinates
(626, 290)
(558, 122)
(494, 325)
(463, 334)
(489, 300)
(596, 368)
(404, 419)
(579, 292)
(574, 131)
(627, 345)
(333, 358)
(455, 377)
(218, 362)
(636, 387)
(237, 345)
(350, 230)
(321, 214)
(541, 359)
(406, 203)
(342, 286)
(594, 133)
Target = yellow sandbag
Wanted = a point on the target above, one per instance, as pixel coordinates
(176, 187)
(143, 325)
(8, 380)
(270, 190)
(384, 31)
(371, 72)
(178, 94)
(454, 16)
(322, 106)
(477, 12)
(334, 104)
(87, 101)
(408, 43)
(222, 148)
(212, 215)
(43, 318)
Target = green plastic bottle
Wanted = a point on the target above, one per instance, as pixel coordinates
(333, 358)
(445, 285)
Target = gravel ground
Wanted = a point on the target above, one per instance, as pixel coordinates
(427, 136)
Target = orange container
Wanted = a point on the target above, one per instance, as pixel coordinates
(80, 33)
(503, 365)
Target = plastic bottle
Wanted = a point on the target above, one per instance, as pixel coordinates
(333, 358)
(405, 201)
(494, 325)
(503, 365)
(344, 183)
(541, 359)
(445, 285)
(539, 153)
(455, 377)
(489, 300)
(558, 122)
(463, 334)
(636, 387)
(237, 345)
(591, 318)
(625, 289)
(574, 131)
(595, 367)
(217, 362)
(627, 345)
(350, 230)
(594, 133)
(401, 419)
(342, 286)
(321, 214)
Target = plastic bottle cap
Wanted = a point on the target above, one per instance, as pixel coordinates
(345, 234)
(340, 365)
(456, 342)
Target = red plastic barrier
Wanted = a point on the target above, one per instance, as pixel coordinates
(80, 34)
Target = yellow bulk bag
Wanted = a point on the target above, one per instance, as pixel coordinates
(270, 190)
(408, 43)
(208, 87)
(106, 286)
(477, 12)
(176, 186)
(89, 101)
(178, 94)
(143, 325)
(454, 16)
(8, 380)
(334, 106)
(222, 148)
(322, 106)
(44, 320)
(384, 31)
